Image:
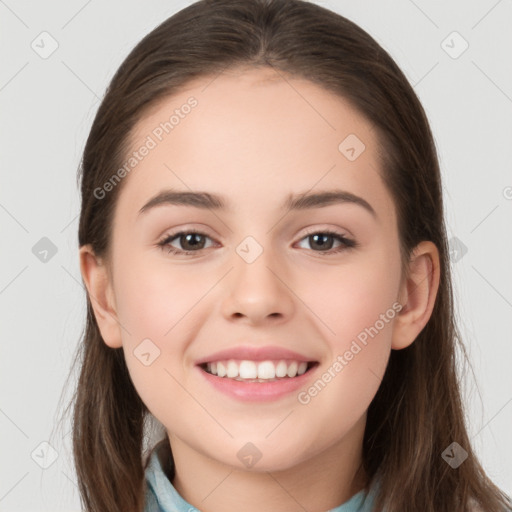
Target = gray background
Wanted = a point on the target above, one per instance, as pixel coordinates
(47, 107)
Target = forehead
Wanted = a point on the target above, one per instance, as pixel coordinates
(256, 135)
(243, 101)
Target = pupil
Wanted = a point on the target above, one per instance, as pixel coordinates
(322, 245)
(189, 237)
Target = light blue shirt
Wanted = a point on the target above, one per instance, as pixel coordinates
(161, 496)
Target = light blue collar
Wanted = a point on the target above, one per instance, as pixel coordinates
(161, 496)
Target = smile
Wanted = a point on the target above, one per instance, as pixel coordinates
(267, 380)
(257, 371)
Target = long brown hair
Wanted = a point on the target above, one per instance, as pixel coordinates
(418, 411)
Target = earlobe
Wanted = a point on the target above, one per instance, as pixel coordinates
(99, 287)
(417, 295)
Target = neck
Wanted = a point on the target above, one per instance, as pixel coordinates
(317, 484)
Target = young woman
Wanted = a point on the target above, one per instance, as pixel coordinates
(263, 244)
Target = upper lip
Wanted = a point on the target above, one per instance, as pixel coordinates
(252, 353)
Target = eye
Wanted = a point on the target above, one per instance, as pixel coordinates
(188, 239)
(324, 241)
(194, 241)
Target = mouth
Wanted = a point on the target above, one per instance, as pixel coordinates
(246, 370)
(263, 373)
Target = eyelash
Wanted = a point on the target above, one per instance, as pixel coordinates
(347, 243)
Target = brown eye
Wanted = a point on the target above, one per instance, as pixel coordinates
(192, 241)
(322, 242)
(189, 242)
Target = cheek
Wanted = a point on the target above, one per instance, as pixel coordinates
(154, 302)
(357, 311)
(155, 307)
(350, 301)
(361, 315)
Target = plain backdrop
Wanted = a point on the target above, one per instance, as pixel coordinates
(47, 107)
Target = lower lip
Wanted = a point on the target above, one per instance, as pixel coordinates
(257, 391)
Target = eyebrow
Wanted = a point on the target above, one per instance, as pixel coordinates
(302, 201)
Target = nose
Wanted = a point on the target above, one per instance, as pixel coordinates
(258, 291)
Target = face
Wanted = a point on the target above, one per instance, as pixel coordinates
(296, 298)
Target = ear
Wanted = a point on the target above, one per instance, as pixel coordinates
(417, 295)
(99, 287)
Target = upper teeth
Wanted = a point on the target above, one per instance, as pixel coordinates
(256, 369)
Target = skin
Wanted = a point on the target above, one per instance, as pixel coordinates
(255, 137)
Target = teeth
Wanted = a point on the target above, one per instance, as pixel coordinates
(247, 370)
(281, 369)
(266, 370)
(292, 369)
(221, 370)
(232, 370)
(257, 370)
